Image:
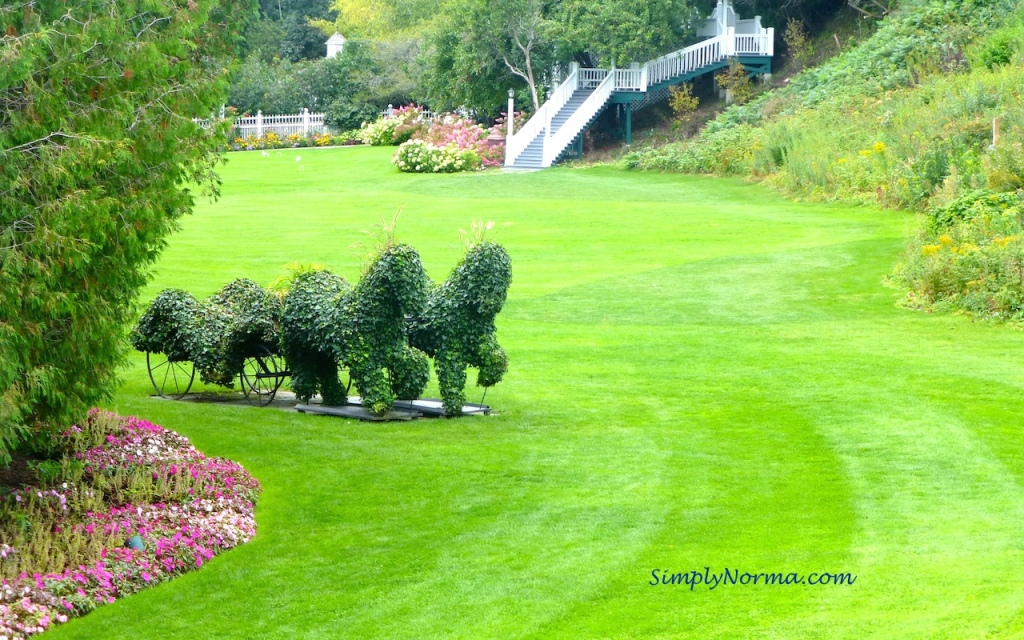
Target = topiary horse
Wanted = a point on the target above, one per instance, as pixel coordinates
(308, 310)
(457, 326)
(361, 328)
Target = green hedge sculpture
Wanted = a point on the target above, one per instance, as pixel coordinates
(218, 334)
(327, 324)
(457, 326)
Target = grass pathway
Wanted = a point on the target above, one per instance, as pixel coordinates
(703, 374)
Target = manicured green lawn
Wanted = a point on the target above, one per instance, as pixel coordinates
(702, 374)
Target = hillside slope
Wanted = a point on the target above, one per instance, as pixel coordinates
(907, 119)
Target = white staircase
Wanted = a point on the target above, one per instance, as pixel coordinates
(583, 96)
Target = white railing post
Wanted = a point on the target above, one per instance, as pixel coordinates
(259, 124)
(730, 42)
(305, 122)
(771, 41)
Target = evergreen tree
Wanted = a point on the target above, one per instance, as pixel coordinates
(97, 145)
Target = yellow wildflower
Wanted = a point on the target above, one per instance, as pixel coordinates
(841, 161)
(945, 239)
(930, 249)
(879, 147)
(865, 152)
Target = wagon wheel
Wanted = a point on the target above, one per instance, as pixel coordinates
(171, 378)
(262, 375)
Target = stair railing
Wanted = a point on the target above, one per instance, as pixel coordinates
(685, 60)
(557, 143)
(591, 78)
(629, 80)
(558, 99)
(521, 139)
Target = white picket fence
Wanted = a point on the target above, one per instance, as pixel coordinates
(259, 125)
(426, 114)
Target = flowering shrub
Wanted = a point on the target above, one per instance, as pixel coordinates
(395, 129)
(65, 550)
(969, 257)
(419, 156)
(452, 143)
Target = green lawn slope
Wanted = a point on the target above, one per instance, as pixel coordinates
(703, 374)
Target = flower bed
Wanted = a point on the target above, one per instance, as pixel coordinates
(121, 480)
(294, 141)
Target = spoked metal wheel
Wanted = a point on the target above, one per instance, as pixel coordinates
(171, 378)
(262, 375)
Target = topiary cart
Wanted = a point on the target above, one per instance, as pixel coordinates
(235, 332)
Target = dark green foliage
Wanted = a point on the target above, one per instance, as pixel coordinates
(281, 86)
(309, 307)
(368, 331)
(346, 115)
(774, 13)
(166, 326)
(283, 30)
(457, 327)
(252, 318)
(96, 145)
(216, 335)
(327, 324)
(368, 75)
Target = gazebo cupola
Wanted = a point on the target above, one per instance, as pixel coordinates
(335, 45)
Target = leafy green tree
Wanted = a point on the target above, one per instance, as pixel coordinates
(284, 30)
(477, 49)
(97, 146)
(479, 43)
(621, 31)
(461, 70)
(380, 19)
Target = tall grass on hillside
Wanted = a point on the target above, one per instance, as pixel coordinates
(845, 129)
(905, 149)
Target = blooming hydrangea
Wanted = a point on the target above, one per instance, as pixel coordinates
(419, 156)
(207, 507)
(452, 143)
(391, 129)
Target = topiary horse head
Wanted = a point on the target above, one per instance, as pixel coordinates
(327, 323)
(457, 326)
